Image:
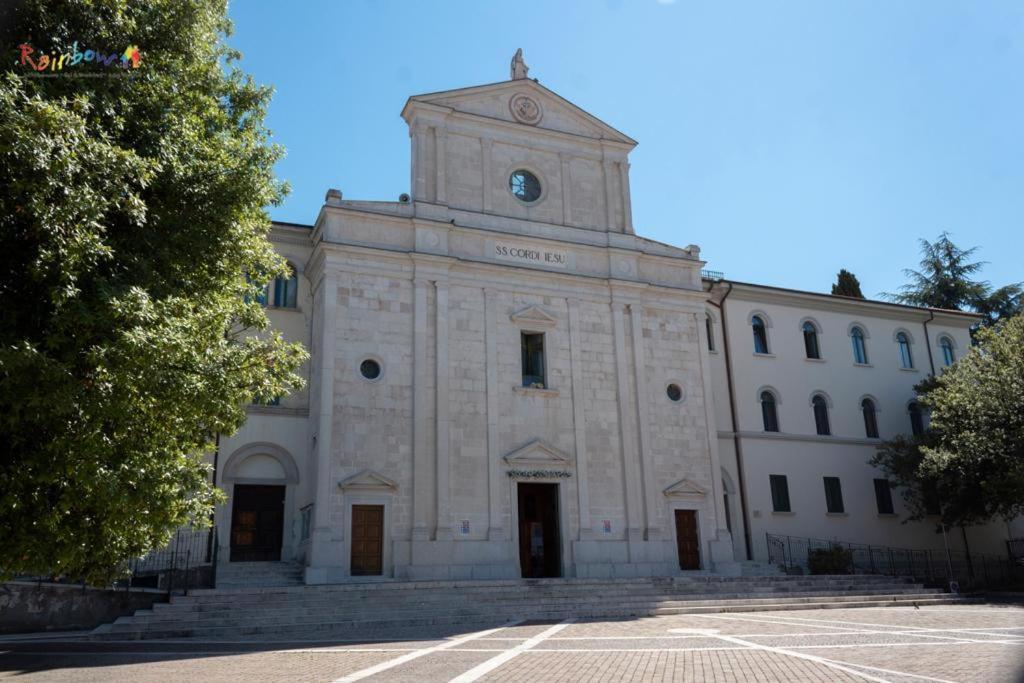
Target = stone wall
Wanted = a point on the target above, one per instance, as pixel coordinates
(27, 607)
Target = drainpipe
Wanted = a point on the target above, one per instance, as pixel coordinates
(737, 445)
(928, 341)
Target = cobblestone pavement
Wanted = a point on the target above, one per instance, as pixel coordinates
(943, 643)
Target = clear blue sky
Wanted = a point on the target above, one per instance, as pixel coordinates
(787, 139)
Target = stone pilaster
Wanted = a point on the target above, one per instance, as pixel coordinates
(440, 149)
(627, 205)
(579, 418)
(486, 144)
(627, 433)
(652, 531)
(421, 403)
(443, 516)
(608, 169)
(566, 188)
(495, 531)
(419, 163)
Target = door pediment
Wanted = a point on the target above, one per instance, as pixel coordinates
(534, 317)
(538, 453)
(367, 480)
(685, 488)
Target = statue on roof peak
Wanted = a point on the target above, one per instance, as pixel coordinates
(519, 68)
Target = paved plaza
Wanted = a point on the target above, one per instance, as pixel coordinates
(971, 642)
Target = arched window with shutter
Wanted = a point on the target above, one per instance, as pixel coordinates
(760, 334)
(948, 356)
(820, 407)
(903, 343)
(867, 407)
(860, 350)
(769, 412)
(811, 347)
(916, 418)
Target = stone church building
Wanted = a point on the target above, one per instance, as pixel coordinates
(505, 380)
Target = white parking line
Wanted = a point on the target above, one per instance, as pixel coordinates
(907, 630)
(494, 662)
(392, 663)
(830, 663)
(919, 630)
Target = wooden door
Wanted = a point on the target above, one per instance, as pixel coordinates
(540, 553)
(257, 523)
(687, 540)
(367, 540)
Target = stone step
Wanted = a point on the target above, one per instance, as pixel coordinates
(362, 627)
(356, 602)
(259, 597)
(147, 620)
(390, 584)
(522, 585)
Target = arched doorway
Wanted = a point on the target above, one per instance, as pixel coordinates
(260, 479)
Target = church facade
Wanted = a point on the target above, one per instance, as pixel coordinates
(505, 380)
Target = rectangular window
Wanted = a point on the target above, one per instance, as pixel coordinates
(833, 494)
(533, 360)
(883, 496)
(780, 492)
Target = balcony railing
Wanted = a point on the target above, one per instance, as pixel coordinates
(712, 274)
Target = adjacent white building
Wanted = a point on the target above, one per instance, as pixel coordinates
(506, 381)
(805, 387)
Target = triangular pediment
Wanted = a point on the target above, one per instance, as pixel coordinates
(493, 101)
(534, 316)
(537, 453)
(367, 480)
(685, 488)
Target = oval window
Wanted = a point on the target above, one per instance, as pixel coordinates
(524, 185)
(370, 369)
(674, 391)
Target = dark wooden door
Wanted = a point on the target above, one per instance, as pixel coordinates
(367, 540)
(686, 539)
(257, 523)
(540, 553)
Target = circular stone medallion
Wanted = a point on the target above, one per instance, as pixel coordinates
(525, 109)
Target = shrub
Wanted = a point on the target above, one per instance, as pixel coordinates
(830, 561)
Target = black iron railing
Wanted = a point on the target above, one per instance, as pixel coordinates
(188, 561)
(712, 274)
(969, 570)
(1015, 547)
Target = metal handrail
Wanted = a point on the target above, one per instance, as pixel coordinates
(792, 553)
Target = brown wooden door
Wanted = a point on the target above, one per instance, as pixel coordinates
(257, 523)
(686, 539)
(367, 540)
(539, 544)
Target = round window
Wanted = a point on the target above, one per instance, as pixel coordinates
(370, 369)
(524, 185)
(674, 391)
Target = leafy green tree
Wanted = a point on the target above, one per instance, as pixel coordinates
(945, 280)
(132, 207)
(847, 284)
(971, 459)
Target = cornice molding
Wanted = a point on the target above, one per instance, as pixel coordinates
(816, 301)
(815, 438)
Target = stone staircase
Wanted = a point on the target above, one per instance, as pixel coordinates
(362, 609)
(259, 575)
